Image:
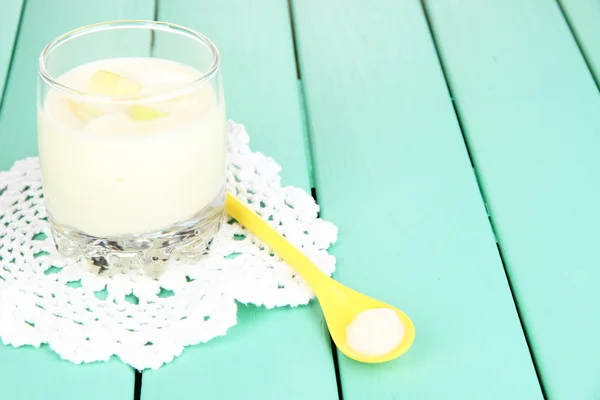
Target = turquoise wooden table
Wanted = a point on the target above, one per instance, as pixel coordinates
(478, 119)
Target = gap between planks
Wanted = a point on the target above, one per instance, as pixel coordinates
(578, 43)
(311, 166)
(12, 54)
(334, 350)
(137, 390)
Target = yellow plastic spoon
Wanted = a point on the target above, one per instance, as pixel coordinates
(339, 303)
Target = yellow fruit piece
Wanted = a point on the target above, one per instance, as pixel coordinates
(111, 84)
(143, 113)
(83, 111)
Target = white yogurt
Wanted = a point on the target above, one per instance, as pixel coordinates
(113, 175)
(375, 332)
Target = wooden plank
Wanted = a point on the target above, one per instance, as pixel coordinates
(30, 374)
(530, 110)
(392, 170)
(27, 373)
(9, 24)
(270, 354)
(584, 18)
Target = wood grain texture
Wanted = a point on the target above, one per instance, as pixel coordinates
(271, 354)
(27, 373)
(584, 18)
(392, 171)
(530, 111)
(10, 12)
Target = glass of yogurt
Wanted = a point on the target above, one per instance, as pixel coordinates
(132, 143)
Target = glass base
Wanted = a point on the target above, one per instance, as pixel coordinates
(186, 240)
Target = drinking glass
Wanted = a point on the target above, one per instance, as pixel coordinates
(132, 143)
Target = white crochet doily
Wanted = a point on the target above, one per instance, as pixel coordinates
(85, 317)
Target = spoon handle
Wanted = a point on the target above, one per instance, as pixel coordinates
(290, 254)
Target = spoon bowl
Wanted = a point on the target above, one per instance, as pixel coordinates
(339, 303)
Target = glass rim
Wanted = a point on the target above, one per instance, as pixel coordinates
(128, 24)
